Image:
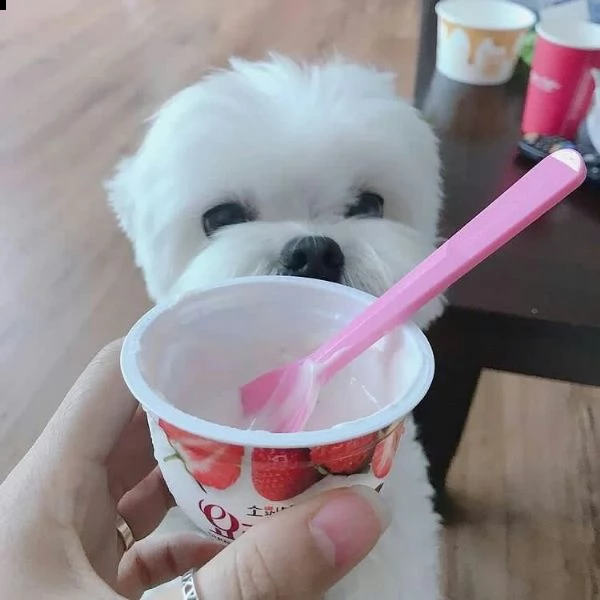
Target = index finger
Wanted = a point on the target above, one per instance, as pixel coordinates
(96, 410)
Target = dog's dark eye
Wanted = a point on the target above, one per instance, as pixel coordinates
(222, 215)
(368, 204)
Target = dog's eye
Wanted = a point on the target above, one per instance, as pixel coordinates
(368, 204)
(222, 215)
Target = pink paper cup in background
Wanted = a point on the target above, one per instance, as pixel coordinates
(228, 479)
(560, 86)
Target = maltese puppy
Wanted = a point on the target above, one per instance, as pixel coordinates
(277, 168)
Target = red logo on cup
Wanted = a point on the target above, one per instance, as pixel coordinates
(224, 523)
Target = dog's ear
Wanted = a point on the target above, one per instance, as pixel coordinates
(163, 234)
(120, 199)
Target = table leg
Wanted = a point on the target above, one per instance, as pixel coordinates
(442, 415)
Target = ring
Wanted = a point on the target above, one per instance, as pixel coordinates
(188, 586)
(125, 533)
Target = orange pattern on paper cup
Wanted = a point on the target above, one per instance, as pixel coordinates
(507, 41)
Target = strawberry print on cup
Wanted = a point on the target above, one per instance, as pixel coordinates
(385, 451)
(232, 487)
(212, 464)
(280, 474)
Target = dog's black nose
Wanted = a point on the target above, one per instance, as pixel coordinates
(318, 257)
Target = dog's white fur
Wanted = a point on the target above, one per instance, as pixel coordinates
(297, 143)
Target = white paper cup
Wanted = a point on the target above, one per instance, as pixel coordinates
(479, 41)
(227, 479)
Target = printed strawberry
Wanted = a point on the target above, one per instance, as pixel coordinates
(215, 465)
(385, 451)
(282, 473)
(174, 434)
(345, 458)
(212, 464)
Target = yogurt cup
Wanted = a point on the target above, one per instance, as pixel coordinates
(228, 479)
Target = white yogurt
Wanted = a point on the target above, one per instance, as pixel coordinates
(203, 377)
(197, 353)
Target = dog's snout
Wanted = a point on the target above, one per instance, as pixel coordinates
(318, 257)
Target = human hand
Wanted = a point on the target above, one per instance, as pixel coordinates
(59, 507)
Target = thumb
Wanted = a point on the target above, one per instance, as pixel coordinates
(299, 553)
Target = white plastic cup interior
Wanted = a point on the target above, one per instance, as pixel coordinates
(201, 332)
(499, 15)
(580, 35)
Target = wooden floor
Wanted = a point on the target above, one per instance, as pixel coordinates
(527, 487)
(76, 80)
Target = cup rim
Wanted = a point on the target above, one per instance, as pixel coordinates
(158, 407)
(546, 29)
(528, 16)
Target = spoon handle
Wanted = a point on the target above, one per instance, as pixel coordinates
(544, 186)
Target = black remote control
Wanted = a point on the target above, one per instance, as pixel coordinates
(536, 147)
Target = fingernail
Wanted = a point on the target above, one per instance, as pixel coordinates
(349, 525)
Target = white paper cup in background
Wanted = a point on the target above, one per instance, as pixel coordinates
(479, 41)
(226, 479)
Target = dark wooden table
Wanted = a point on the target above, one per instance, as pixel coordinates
(532, 308)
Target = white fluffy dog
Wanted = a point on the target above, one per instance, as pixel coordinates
(316, 171)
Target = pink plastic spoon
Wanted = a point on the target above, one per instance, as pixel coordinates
(282, 400)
